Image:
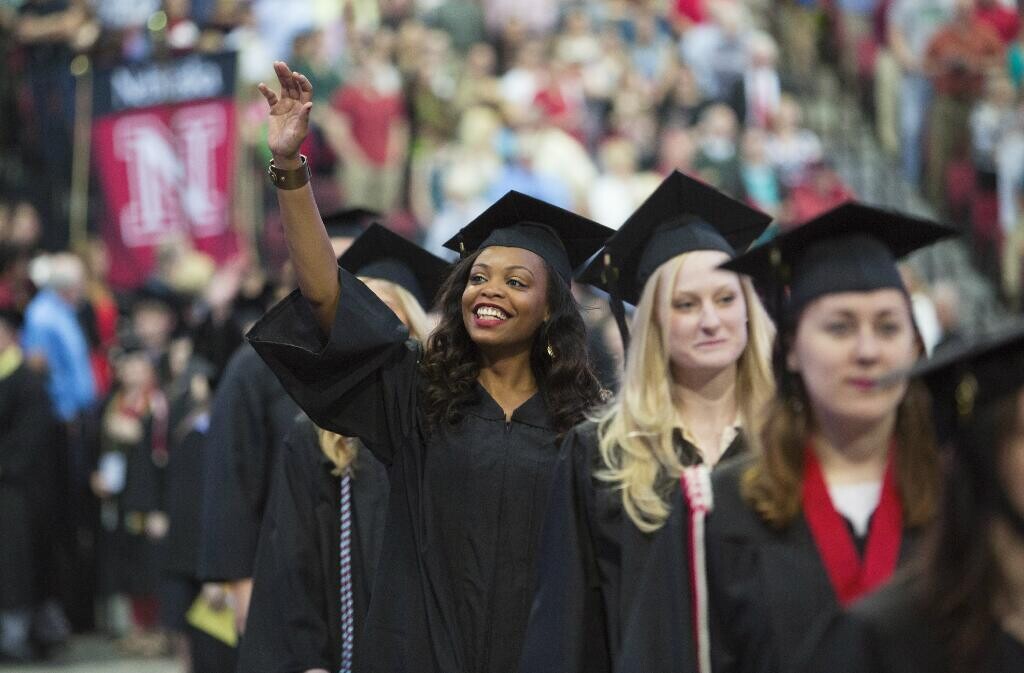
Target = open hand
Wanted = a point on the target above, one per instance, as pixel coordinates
(289, 112)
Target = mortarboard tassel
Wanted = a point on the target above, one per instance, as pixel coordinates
(610, 277)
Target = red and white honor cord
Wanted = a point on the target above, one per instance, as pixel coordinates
(696, 484)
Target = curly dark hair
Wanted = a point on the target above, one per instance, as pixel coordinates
(450, 363)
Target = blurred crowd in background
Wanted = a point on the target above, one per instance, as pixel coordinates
(425, 111)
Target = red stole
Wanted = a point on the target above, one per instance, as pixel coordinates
(852, 577)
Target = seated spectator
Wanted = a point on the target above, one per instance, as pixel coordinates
(1015, 61)
(650, 50)
(463, 202)
(182, 33)
(991, 123)
(958, 57)
(820, 190)
(462, 20)
(521, 174)
(760, 181)
(577, 43)
(634, 117)
(368, 130)
(1009, 158)
(560, 97)
(1003, 19)
(619, 189)
(688, 12)
(717, 161)
(310, 57)
(716, 50)
(677, 149)
(684, 102)
(761, 89)
(912, 25)
(791, 148)
(477, 83)
(561, 156)
(519, 86)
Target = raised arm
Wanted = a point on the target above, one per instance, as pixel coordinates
(308, 244)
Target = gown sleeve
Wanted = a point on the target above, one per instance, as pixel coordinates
(567, 627)
(235, 458)
(358, 382)
(287, 627)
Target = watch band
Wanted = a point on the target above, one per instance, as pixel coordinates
(289, 178)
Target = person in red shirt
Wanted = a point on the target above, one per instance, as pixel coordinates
(689, 11)
(367, 129)
(957, 59)
(561, 100)
(1002, 19)
(821, 190)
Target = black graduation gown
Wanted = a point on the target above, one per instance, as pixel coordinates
(250, 416)
(608, 593)
(890, 631)
(455, 579)
(295, 618)
(772, 605)
(131, 562)
(184, 497)
(25, 415)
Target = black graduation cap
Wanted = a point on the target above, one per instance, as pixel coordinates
(851, 248)
(964, 382)
(967, 377)
(12, 317)
(561, 238)
(381, 253)
(349, 223)
(682, 215)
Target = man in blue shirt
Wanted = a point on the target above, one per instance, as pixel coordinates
(54, 339)
(54, 343)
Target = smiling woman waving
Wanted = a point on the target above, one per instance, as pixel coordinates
(467, 426)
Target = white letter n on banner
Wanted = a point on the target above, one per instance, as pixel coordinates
(155, 176)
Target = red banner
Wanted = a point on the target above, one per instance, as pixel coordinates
(163, 145)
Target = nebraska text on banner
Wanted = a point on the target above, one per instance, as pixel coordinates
(163, 145)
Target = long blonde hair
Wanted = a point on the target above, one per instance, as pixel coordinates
(635, 432)
(342, 450)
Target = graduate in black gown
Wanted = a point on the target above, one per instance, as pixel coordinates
(697, 373)
(26, 483)
(468, 426)
(250, 416)
(324, 525)
(959, 608)
(130, 481)
(848, 474)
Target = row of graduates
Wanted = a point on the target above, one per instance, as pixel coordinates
(533, 525)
